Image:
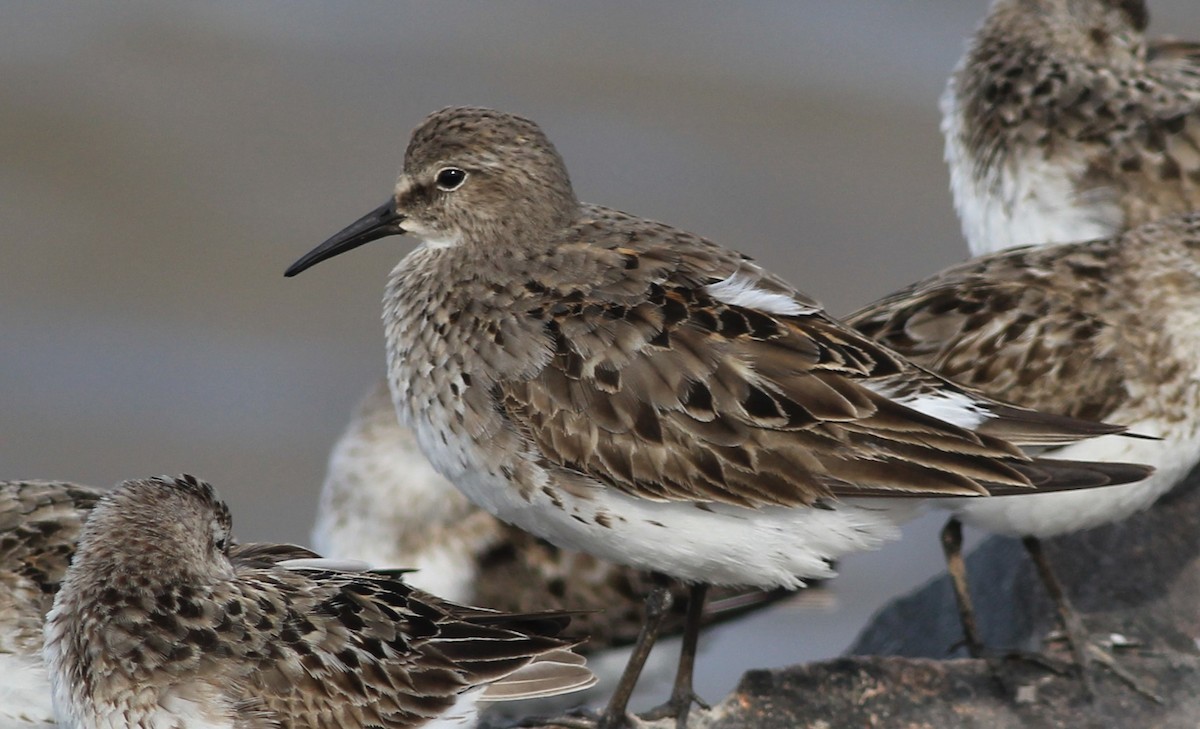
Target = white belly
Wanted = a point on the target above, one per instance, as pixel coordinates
(718, 544)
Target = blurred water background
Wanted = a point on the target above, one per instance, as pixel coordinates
(162, 163)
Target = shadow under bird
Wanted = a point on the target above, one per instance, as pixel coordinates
(628, 389)
(161, 622)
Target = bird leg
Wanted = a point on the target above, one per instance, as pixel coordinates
(957, 568)
(1084, 652)
(683, 695)
(658, 602)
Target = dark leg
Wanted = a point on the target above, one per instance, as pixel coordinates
(952, 547)
(682, 695)
(957, 568)
(1076, 634)
(658, 602)
(1083, 651)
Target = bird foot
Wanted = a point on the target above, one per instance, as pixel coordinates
(677, 707)
(1095, 655)
(1005, 669)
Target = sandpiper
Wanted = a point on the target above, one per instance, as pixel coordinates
(627, 389)
(1106, 329)
(159, 623)
(383, 503)
(1064, 123)
(40, 522)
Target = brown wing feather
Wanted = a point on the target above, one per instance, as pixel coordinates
(360, 649)
(669, 394)
(40, 522)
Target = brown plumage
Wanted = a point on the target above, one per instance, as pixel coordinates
(39, 526)
(383, 503)
(158, 620)
(1101, 329)
(1008, 325)
(625, 388)
(658, 388)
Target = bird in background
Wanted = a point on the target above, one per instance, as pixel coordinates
(631, 390)
(158, 622)
(1064, 123)
(1104, 330)
(40, 524)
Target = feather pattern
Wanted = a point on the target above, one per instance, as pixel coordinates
(657, 388)
(384, 503)
(255, 644)
(622, 387)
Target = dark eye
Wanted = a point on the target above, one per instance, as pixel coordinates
(450, 178)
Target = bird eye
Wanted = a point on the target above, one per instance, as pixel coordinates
(450, 178)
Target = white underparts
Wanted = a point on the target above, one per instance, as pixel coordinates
(24, 692)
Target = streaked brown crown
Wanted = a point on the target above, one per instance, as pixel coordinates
(517, 186)
(1107, 31)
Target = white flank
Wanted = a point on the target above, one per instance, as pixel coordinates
(742, 290)
(1061, 512)
(721, 545)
